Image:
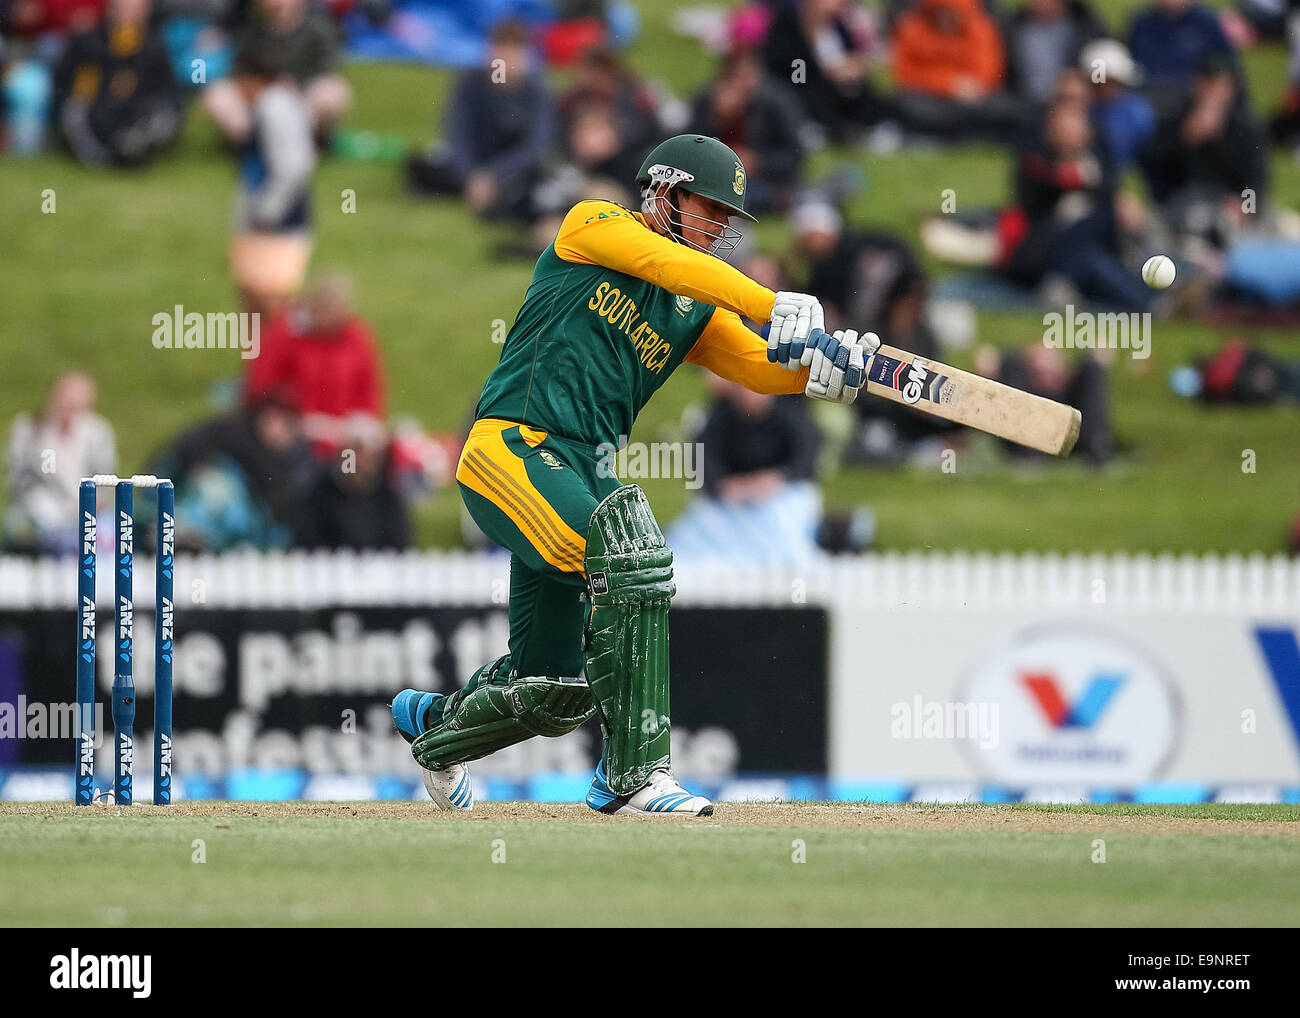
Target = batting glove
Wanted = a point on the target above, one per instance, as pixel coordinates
(794, 318)
(837, 364)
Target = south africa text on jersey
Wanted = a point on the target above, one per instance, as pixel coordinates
(621, 312)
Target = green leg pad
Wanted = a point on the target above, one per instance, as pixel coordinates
(630, 580)
(498, 709)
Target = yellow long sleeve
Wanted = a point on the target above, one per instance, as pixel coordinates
(604, 233)
(730, 350)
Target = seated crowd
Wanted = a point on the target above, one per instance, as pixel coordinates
(1083, 110)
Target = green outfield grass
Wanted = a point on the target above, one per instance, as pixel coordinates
(99, 869)
(80, 288)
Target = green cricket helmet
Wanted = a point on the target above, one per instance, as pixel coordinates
(703, 166)
(698, 165)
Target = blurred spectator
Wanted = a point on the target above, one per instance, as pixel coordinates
(822, 51)
(581, 26)
(116, 99)
(608, 121)
(606, 91)
(25, 88)
(1062, 233)
(1241, 374)
(760, 122)
(949, 65)
(1172, 38)
(49, 452)
(1255, 20)
(1071, 87)
(1286, 122)
(29, 19)
(759, 499)
(1172, 41)
(200, 30)
(594, 155)
(355, 502)
(500, 126)
(1284, 125)
(593, 145)
(1124, 117)
(873, 283)
(1045, 371)
(323, 360)
(272, 243)
(242, 478)
(766, 271)
(291, 39)
(1203, 159)
(866, 280)
(1044, 37)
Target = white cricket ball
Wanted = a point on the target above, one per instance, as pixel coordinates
(1158, 271)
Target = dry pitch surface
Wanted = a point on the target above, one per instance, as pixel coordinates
(406, 863)
(1059, 819)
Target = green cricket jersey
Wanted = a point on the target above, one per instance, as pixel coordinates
(612, 310)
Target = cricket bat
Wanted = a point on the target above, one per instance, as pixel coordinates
(970, 399)
(973, 400)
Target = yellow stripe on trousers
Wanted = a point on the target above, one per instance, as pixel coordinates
(488, 439)
(511, 476)
(511, 468)
(475, 478)
(504, 482)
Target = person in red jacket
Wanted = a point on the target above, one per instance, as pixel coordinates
(949, 66)
(31, 18)
(321, 357)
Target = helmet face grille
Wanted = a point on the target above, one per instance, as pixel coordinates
(672, 220)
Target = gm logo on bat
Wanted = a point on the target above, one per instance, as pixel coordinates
(915, 385)
(912, 381)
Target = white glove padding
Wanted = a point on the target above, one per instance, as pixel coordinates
(794, 317)
(837, 367)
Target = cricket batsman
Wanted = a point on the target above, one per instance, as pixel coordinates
(617, 302)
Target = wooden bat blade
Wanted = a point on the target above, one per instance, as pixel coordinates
(974, 401)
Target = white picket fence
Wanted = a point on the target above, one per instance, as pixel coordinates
(877, 582)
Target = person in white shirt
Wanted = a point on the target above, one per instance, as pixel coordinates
(49, 452)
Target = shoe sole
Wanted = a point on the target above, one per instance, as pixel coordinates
(440, 800)
(620, 804)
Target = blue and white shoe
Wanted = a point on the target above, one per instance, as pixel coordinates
(660, 795)
(449, 788)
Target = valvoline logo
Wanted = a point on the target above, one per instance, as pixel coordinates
(1085, 710)
(1078, 704)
